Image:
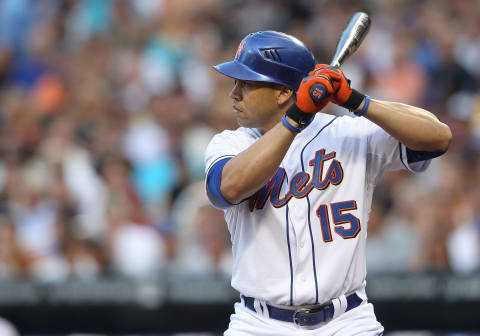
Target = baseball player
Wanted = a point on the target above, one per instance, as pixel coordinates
(296, 187)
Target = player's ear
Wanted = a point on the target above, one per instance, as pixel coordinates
(284, 94)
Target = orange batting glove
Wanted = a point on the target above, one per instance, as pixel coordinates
(312, 96)
(313, 92)
(343, 94)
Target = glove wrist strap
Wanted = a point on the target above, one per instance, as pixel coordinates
(354, 101)
(364, 109)
(290, 126)
(301, 118)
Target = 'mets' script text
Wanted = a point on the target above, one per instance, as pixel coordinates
(301, 183)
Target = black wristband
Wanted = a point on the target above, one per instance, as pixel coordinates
(354, 101)
(300, 117)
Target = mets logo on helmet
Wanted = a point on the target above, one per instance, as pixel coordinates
(239, 49)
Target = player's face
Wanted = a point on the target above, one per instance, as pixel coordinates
(255, 104)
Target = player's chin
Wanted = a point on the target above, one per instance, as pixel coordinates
(243, 122)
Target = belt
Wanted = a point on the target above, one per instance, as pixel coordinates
(305, 316)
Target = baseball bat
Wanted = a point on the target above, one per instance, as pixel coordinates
(349, 41)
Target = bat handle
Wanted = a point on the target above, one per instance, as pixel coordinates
(318, 92)
(335, 63)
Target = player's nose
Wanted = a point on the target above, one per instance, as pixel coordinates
(236, 93)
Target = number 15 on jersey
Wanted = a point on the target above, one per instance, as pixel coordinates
(345, 224)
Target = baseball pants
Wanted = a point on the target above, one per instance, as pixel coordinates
(360, 321)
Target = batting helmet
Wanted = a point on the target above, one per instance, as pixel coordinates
(270, 56)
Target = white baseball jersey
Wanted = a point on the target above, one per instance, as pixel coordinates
(301, 238)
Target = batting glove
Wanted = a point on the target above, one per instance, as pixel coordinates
(312, 96)
(343, 95)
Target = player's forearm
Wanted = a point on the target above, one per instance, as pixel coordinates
(247, 172)
(416, 128)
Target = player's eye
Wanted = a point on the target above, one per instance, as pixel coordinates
(239, 83)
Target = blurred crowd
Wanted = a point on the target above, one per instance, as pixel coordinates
(106, 108)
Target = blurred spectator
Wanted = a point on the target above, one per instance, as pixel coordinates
(404, 80)
(59, 149)
(35, 222)
(203, 246)
(10, 262)
(393, 241)
(148, 149)
(136, 250)
(214, 240)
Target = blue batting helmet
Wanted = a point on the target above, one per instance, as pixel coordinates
(270, 56)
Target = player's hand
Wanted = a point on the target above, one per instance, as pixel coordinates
(312, 96)
(313, 92)
(341, 84)
(343, 94)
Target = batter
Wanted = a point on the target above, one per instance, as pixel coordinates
(296, 187)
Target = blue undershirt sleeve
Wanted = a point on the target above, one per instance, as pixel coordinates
(417, 156)
(214, 178)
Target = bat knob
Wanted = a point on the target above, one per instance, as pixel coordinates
(318, 92)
